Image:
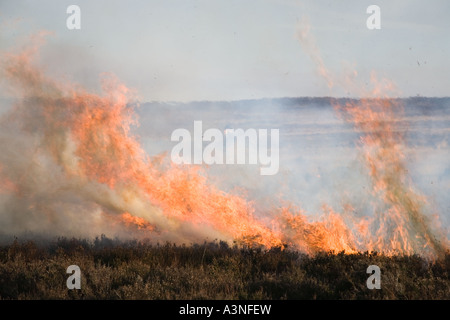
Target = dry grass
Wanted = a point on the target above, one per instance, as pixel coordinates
(113, 269)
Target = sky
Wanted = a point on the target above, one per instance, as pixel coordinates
(191, 50)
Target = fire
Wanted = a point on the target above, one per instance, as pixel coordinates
(6, 185)
(140, 223)
(108, 154)
(402, 218)
(400, 224)
(330, 233)
(87, 138)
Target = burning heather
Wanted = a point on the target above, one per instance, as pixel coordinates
(401, 225)
(70, 165)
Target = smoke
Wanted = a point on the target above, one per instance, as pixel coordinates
(309, 45)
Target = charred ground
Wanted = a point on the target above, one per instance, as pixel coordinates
(114, 269)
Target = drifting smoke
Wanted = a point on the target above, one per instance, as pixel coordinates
(310, 47)
(70, 166)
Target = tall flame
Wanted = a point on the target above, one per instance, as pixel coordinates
(402, 222)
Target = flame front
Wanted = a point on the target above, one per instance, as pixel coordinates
(87, 141)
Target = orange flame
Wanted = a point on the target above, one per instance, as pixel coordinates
(403, 219)
(330, 233)
(140, 223)
(6, 185)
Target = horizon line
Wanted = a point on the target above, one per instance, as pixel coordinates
(294, 97)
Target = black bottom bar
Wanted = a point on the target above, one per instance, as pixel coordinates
(232, 309)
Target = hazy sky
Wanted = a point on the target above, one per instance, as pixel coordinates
(182, 50)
